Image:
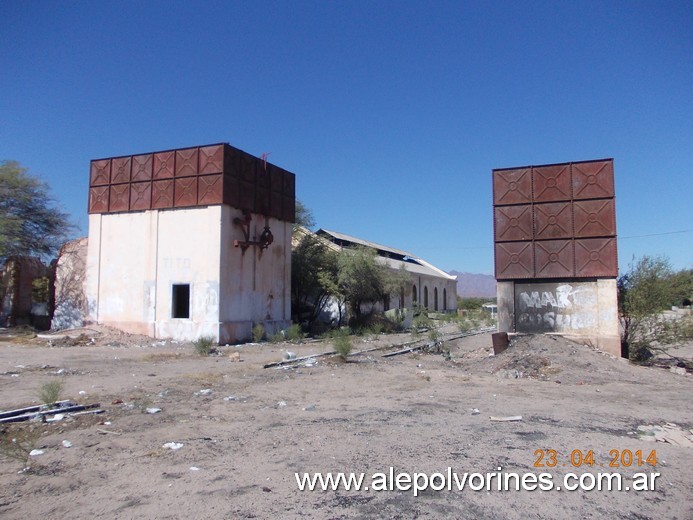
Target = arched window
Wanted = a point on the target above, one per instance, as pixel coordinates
(413, 294)
(435, 298)
(445, 299)
(426, 297)
(401, 298)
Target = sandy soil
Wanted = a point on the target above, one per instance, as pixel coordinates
(412, 412)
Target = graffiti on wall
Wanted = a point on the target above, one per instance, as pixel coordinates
(555, 307)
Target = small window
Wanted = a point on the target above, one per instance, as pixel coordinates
(426, 297)
(445, 299)
(435, 298)
(413, 294)
(181, 301)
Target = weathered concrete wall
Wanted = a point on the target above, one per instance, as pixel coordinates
(584, 310)
(255, 284)
(70, 292)
(135, 259)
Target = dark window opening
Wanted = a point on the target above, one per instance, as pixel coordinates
(426, 297)
(181, 301)
(445, 299)
(435, 298)
(413, 294)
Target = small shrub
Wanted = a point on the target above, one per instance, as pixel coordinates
(17, 444)
(342, 344)
(203, 345)
(294, 333)
(50, 392)
(277, 337)
(258, 333)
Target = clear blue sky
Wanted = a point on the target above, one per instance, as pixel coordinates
(391, 114)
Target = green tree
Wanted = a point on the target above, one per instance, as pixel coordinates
(313, 265)
(364, 281)
(644, 292)
(30, 222)
(304, 216)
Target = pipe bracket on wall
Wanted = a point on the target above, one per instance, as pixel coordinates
(266, 237)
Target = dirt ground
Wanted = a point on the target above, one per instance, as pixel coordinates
(246, 430)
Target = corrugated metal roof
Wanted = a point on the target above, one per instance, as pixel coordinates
(413, 265)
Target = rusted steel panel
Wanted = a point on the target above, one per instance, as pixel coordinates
(100, 174)
(593, 179)
(210, 189)
(120, 170)
(289, 184)
(231, 191)
(98, 199)
(596, 257)
(276, 178)
(289, 209)
(554, 259)
(551, 183)
(119, 198)
(162, 193)
(512, 186)
(514, 260)
(247, 168)
(246, 198)
(232, 162)
(142, 167)
(513, 223)
(553, 220)
(163, 165)
(185, 192)
(595, 218)
(276, 209)
(140, 196)
(186, 162)
(211, 159)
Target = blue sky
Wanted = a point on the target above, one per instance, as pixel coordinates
(391, 114)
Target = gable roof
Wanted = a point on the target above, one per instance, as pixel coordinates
(393, 258)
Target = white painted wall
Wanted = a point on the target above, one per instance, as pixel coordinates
(134, 259)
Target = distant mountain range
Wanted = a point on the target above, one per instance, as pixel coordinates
(471, 285)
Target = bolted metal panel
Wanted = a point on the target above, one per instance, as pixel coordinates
(513, 223)
(246, 199)
(596, 257)
(276, 178)
(514, 260)
(595, 218)
(551, 183)
(289, 185)
(142, 167)
(98, 199)
(162, 193)
(210, 189)
(247, 168)
(215, 174)
(593, 179)
(289, 209)
(120, 170)
(119, 198)
(140, 196)
(276, 205)
(554, 259)
(512, 186)
(553, 220)
(185, 192)
(100, 174)
(186, 162)
(163, 165)
(211, 159)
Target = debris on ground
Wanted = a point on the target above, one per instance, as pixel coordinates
(669, 433)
